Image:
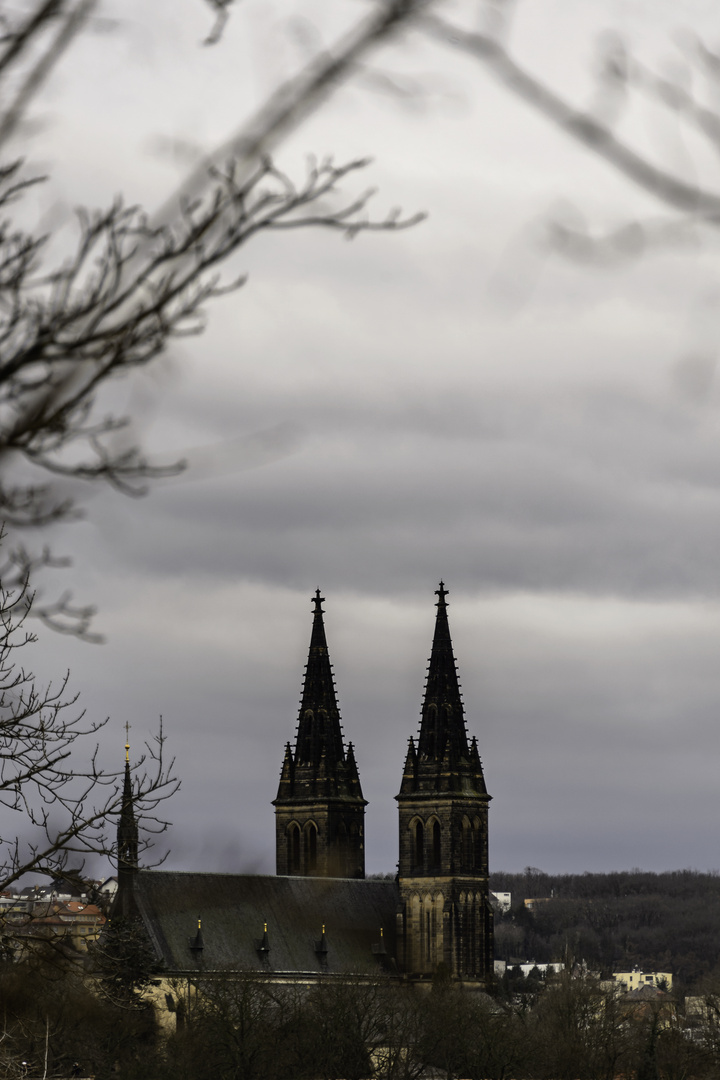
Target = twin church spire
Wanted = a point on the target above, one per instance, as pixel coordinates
(319, 808)
(319, 805)
(320, 755)
(442, 760)
(443, 916)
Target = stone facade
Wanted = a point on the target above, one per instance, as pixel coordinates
(445, 917)
(320, 837)
(312, 920)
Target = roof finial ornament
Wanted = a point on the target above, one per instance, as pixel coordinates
(317, 601)
(442, 592)
(198, 944)
(127, 741)
(379, 947)
(321, 945)
(263, 945)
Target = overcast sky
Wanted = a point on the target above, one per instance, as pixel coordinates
(455, 401)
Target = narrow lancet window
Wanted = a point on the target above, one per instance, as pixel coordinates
(418, 846)
(294, 849)
(437, 860)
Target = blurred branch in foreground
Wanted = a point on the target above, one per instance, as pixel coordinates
(134, 281)
(594, 127)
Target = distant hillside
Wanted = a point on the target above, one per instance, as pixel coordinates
(663, 922)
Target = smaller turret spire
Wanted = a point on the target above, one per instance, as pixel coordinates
(127, 834)
(409, 780)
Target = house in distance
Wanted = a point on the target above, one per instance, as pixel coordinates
(319, 915)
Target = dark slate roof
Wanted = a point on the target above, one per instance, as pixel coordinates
(234, 907)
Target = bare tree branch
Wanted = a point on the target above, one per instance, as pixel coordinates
(494, 56)
(135, 281)
(50, 774)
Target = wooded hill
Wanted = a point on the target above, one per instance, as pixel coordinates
(614, 922)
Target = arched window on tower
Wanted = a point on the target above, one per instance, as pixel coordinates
(418, 846)
(467, 845)
(436, 849)
(478, 846)
(293, 842)
(343, 850)
(310, 847)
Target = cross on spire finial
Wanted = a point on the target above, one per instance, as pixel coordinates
(317, 601)
(442, 592)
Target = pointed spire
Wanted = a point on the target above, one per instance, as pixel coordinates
(477, 766)
(352, 776)
(287, 775)
(127, 834)
(442, 762)
(351, 763)
(442, 729)
(319, 721)
(320, 771)
(409, 780)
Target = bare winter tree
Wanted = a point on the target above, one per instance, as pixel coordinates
(63, 804)
(134, 281)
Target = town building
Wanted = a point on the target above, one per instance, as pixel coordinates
(71, 924)
(636, 979)
(319, 915)
(501, 901)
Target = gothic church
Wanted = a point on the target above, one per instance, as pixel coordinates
(320, 915)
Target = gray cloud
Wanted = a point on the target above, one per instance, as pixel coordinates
(376, 415)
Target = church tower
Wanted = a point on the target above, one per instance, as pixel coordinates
(319, 809)
(445, 916)
(127, 844)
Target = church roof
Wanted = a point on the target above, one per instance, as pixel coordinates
(234, 909)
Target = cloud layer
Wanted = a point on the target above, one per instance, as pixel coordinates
(455, 401)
